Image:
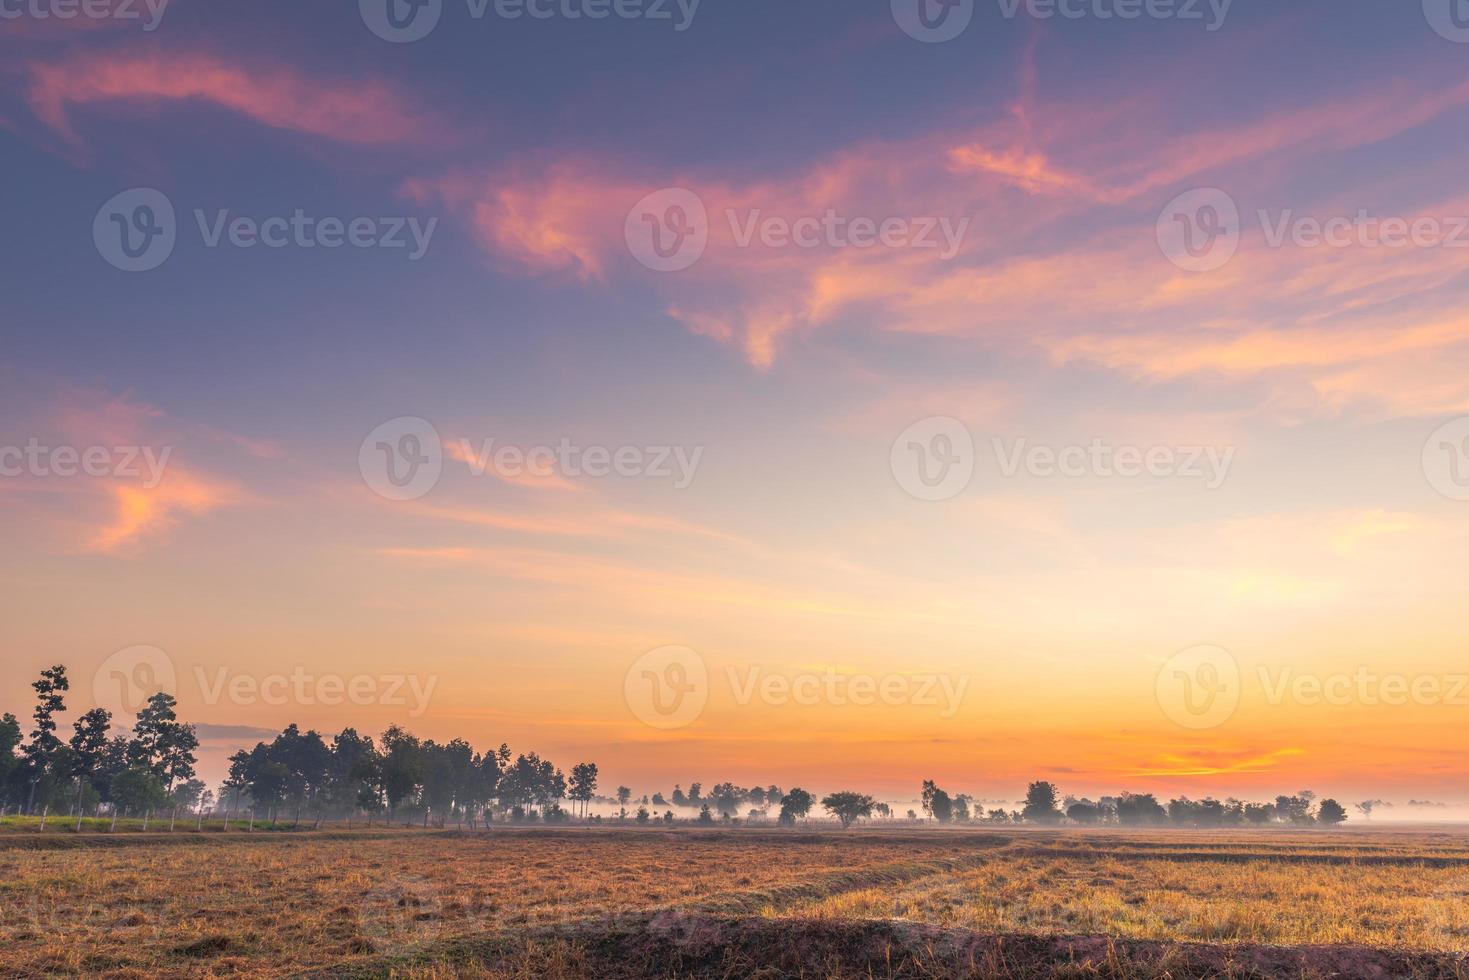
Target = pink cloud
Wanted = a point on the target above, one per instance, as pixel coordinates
(356, 111)
(1060, 253)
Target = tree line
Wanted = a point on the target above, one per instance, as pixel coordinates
(1043, 805)
(398, 776)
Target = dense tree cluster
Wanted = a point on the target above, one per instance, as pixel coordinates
(148, 769)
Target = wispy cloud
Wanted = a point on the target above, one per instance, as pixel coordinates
(362, 111)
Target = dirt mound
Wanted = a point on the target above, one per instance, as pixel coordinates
(674, 945)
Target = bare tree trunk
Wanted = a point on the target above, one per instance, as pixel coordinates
(146, 815)
(171, 818)
(113, 828)
(252, 820)
(44, 812)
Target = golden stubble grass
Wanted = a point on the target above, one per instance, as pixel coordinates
(293, 902)
(1408, 893)
(281, 904)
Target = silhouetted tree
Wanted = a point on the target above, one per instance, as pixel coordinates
(137, 790)
(1040, 804)
(11, 770)
(88, 746)
(43, 753)
(1140, 809)
(1366, 807)
(795, 805)
(161, 743)
(848, 806)
(1084, 813)
(583, 783)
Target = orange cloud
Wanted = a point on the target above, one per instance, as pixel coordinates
(141, 511)
(143, 488)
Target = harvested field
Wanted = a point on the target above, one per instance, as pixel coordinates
(627, 902)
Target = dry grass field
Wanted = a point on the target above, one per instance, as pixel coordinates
(817, 903)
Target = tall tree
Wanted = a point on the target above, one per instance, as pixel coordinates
(163, 744)
(88, 747)
(402, 767)
(43, 753)
(583, 783)
(1040, 803)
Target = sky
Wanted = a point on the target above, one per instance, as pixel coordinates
(836, 394)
